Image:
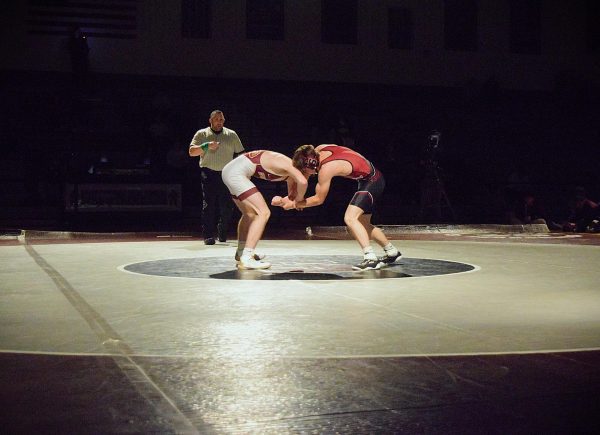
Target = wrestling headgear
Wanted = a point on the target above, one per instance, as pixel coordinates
(310, 162)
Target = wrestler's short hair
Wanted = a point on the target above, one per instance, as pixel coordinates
(306, 157)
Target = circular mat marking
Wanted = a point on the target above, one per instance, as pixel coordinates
(302, 267)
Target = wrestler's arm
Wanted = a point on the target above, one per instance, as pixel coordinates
(321, 191)
(297, 184)
(296, 181)
(289, 202)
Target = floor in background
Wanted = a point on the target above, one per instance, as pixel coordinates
(483, 331)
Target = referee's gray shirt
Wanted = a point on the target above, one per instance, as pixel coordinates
(229, 144)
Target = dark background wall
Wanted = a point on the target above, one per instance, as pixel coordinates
(512, 86)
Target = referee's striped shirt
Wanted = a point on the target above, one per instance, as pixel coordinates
(229, 144)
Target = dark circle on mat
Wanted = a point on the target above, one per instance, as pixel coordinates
(301, 267)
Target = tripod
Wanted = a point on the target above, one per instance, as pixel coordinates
(434, 199)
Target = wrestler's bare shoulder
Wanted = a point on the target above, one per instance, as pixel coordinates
(276, 161)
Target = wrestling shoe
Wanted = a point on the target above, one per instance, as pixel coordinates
(367, 264)
(256, 256)
(250, 263)
(390, 259)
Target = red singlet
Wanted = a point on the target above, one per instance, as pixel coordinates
(361, 167)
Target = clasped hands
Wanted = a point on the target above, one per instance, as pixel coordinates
(287, 204)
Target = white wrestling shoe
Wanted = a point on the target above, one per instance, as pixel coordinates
(257, 256)
(250, 263)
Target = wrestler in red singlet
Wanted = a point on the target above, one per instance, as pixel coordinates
(361, 167)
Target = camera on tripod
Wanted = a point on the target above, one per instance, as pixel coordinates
(434, 200)
(431, 150)
(434, 139)
(433, 142)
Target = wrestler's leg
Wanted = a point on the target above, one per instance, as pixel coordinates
(255, 215)
(356, 227)
(258, 214)
(374, 232)
(363, 231)
(243, 226)
(243, 223)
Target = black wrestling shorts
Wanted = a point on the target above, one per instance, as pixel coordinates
(369, 191)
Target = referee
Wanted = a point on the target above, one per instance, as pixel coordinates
(216, 146)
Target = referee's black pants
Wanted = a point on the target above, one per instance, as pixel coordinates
(217, 205)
